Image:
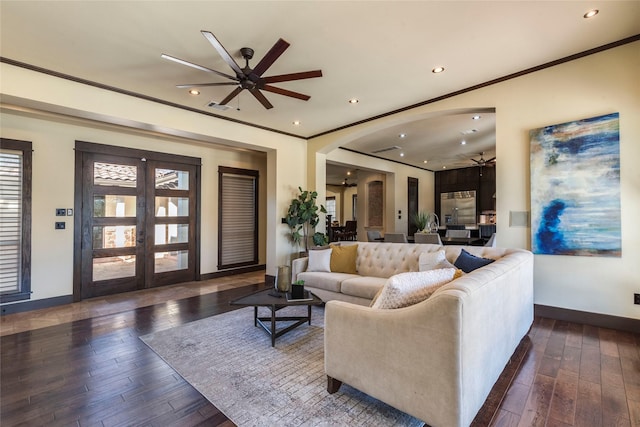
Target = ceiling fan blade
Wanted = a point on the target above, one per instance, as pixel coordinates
(293, 76)
(274, 53)
(196, 66)
(223, 52)
(232, 95)
(491, 159)
(260, 97)
(186, 86)
(285, 92)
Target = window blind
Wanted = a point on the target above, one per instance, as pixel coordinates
(11, 173)
(238, 220)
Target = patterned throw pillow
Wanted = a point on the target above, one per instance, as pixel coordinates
(320, 260)
(343, 259)
(433, 260)
(405, 289)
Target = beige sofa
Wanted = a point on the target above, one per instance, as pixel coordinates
(436, 360)
(375, 263)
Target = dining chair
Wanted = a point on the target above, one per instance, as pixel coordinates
(433, 238)
(373, 236)
(458, 233)
(395, 238)
(491, 243)
(351, 230)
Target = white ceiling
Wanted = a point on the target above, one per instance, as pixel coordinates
(381, 52)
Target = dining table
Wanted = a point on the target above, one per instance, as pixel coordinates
(465, 241)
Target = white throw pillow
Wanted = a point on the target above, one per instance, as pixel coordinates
(433, 260)
(406, 289)
(320, 260)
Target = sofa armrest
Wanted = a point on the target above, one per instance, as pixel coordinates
(298, 266)
(407, 357)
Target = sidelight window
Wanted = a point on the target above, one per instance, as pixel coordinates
(15, 220)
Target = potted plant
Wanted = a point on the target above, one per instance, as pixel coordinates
(297, 289)
(303, 217)
(320, 239)
(426, 221)
(420, 219)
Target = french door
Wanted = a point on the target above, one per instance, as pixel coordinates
(138, 220)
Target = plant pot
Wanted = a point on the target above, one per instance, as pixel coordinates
(297, 291)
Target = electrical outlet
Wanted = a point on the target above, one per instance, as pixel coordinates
(61, 212)
(636, 299)
(60, 225)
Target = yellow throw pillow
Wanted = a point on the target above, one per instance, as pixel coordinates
(343, 259)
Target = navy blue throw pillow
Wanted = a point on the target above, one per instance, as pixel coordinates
(468, 262)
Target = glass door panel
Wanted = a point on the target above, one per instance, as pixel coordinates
(170, 261)
(171, 179)
(172, 206)
(171, 233)
(112, 205)
(115, 267)
(115, 175)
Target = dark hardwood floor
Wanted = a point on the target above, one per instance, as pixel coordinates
(96, 372)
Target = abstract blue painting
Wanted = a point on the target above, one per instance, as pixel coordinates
(575, 188)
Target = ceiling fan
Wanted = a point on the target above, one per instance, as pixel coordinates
(345, 183)
(483, 162)
(249, 78)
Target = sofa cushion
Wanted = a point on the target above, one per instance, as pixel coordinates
(320, 260)
(404, 289)
(468, 262)
(433, 261)
(327, 281)
(364, 287)
(343, 259)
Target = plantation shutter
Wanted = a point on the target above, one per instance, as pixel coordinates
(238, 245)
(15, 220)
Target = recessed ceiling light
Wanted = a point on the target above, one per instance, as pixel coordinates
(476, 117)
(425, 161)
(296, 123)
(194, 92)
(354, 101)
(591, 13)
(463, 142)
(348, 173)
(401, 154)
(402, 135)
(444, 167)
(437, 70)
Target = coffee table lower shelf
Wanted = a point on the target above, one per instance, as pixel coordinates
(270, 327)
(267, 298)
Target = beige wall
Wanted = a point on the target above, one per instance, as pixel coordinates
(602, 83)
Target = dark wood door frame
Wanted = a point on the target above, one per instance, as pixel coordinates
(412, 205)
(81, 239)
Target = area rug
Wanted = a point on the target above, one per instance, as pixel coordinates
(231, 362)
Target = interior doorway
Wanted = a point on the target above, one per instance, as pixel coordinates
(137, 220)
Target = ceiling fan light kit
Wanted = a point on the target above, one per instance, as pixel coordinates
(248, 78)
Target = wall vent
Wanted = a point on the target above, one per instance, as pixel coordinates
(383, 150)
(217, 106)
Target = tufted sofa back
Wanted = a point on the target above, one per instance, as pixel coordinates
(386, 259)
